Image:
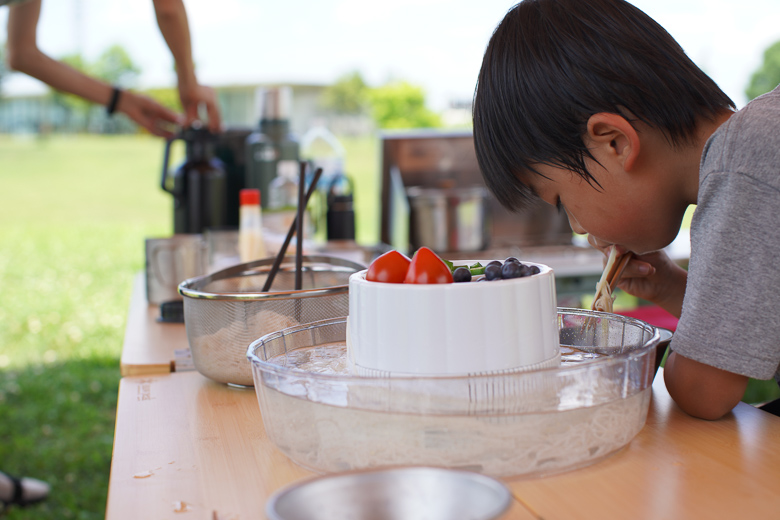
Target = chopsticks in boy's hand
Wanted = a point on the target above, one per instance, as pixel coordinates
(610, 278)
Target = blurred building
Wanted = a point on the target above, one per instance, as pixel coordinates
(41, 113)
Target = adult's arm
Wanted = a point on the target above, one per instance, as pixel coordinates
(25, 56)
(174, 26)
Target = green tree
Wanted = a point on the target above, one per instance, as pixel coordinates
(348, 95)
(167, 97)
(399, 104)
(767, 77)
(115, 66)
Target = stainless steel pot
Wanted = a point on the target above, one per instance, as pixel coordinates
(449, 219)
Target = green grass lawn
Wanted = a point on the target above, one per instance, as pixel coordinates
(74, 213)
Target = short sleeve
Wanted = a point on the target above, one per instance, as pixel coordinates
(731, 311)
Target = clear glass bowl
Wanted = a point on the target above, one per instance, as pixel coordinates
(503, 424)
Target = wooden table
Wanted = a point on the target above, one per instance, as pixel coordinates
(149, 346)
(185, 442)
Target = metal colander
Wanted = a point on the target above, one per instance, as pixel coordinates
(226, 311)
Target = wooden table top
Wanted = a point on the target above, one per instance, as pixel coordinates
(183, 442)
(149, 346)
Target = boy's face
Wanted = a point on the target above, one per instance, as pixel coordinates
(633, 210)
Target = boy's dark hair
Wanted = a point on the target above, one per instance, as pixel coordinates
(551, 64)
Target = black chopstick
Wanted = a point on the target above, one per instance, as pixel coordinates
(288, 238)
(299, 230)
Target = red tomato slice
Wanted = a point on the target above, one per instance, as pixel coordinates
(426, 267)
(390, 267)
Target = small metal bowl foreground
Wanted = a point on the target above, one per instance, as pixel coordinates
(403, 493)
(227, 310)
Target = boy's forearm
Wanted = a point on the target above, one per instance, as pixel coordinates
(701, 390)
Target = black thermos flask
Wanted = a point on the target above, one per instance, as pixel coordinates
(340, 216)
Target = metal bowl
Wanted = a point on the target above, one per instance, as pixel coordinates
(227, 310)
(405, 493)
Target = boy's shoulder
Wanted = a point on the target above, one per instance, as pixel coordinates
(748, 142)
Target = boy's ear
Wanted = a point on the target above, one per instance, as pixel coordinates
(617, 137)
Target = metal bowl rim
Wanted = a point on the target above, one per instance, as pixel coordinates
(191, 288)
(502, 504)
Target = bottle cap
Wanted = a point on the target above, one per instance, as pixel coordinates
(249, 196)
(274, 103)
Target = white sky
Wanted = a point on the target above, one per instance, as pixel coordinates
(437, 44)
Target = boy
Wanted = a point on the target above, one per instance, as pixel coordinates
(591, 106)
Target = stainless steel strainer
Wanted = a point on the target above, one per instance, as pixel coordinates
(226, 311)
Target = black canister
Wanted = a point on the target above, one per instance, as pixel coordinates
(230, 148)
(340, 219)
(272, 143)
(198, 185)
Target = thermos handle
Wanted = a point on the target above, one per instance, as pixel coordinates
(166, 158)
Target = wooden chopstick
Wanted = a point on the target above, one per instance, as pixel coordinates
(613, 278)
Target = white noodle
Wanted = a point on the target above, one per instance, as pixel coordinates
(329, 438)
(331, 428)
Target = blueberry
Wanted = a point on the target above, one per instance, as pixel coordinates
(535, 269)
(493, 272)
(525, 270)
(461, 274)
(511, 270)
(512, 259)
(493, 262)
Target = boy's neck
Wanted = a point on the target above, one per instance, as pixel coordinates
(692, 154)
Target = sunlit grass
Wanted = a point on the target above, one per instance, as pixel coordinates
(74, 213)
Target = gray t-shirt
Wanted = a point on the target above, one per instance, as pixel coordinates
(731, 312)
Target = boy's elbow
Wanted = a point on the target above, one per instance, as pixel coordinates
(700, 390)
(704, 410)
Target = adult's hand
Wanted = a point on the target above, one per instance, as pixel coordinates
(148, 113)
(192, 97)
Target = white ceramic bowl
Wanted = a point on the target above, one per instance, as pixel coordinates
(457, 328)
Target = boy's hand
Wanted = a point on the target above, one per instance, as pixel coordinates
(653, 277)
